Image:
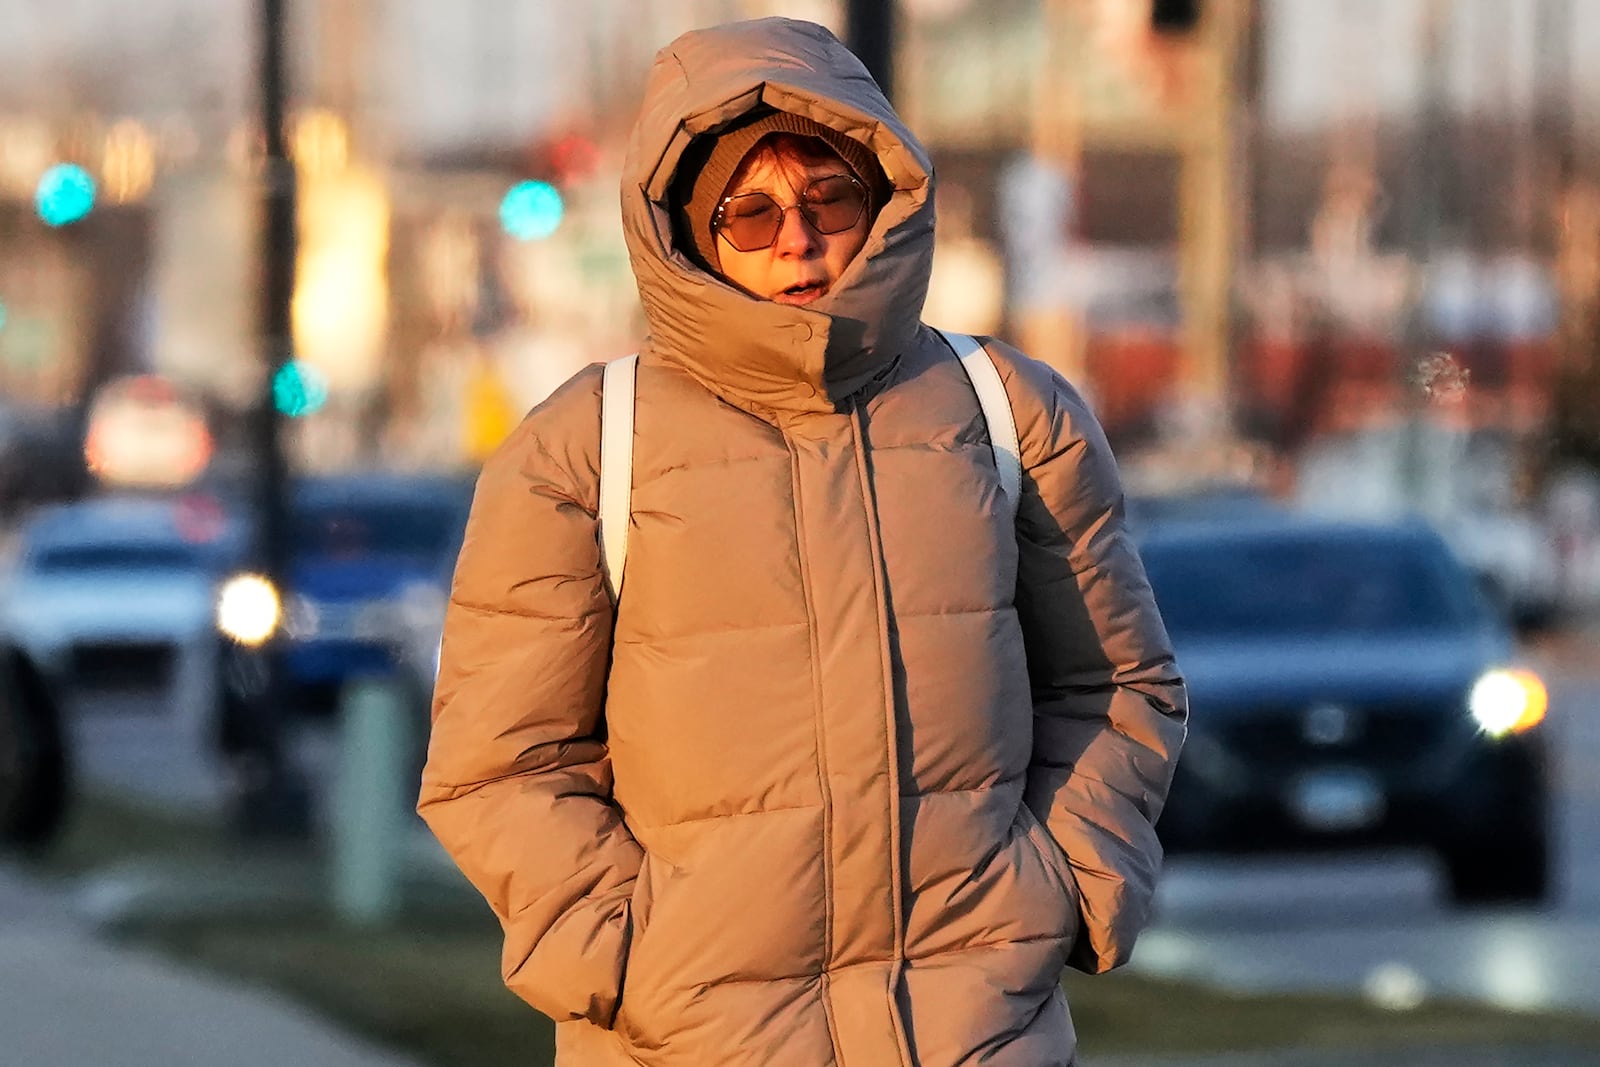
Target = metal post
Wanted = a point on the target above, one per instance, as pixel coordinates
(1422, 232)
(272, 799)
(870, 32)
(369, 824)
(277, 286)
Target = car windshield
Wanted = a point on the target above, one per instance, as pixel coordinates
(66, 559)
(410, 530)
(1307, 587)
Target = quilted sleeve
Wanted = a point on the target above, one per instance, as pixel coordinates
(517, 785)
(1110, 708)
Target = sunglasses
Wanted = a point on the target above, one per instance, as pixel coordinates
(752, 221)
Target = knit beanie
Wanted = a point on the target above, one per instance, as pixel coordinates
(711, 159)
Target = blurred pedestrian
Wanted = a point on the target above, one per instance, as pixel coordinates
(861, 758)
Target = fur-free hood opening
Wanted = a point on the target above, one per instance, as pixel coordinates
(765, 357)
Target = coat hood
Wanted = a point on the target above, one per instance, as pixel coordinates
(762, 356)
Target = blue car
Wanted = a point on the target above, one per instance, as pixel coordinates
(1351, 686)
(365, 560)
(366, 555)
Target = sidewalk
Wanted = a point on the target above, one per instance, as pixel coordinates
(69, 999)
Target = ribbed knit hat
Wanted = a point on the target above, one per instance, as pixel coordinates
(709, 163)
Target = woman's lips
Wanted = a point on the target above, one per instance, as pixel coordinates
(801, 294)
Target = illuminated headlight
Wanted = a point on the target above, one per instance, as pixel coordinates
(248, 609)
(1505, 702)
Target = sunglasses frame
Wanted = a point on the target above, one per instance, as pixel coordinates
(719, 217)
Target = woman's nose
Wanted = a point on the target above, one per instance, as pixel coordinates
(795, 235)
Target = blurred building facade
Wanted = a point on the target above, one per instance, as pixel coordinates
(1220, 215)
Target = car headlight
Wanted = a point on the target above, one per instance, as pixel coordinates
(248, 609)
(1505, 702)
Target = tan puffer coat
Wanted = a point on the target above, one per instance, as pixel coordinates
(857, 767)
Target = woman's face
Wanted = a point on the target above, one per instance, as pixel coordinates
(802, 264)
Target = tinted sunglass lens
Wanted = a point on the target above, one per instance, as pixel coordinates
(751, 221)
(833, 204)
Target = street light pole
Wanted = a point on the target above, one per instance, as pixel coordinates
(1422, 230)
(870, 31)
(277, 287)
(272, 799)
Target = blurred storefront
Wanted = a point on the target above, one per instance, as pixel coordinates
(1184, 206)
(1096, 135)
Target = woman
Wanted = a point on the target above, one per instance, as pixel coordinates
(857, 764)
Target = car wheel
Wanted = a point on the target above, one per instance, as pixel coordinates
(1510, 869)
(33, 760)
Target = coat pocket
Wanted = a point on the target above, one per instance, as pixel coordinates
(639, 907)
(642, 970)
(1054, 859)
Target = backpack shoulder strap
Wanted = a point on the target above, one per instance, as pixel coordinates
(996, 406)
(616, 468)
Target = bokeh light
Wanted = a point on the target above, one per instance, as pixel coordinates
(298, 389)
(249, 609)
(129, 163)
(1441, 378)
(65, 194)
(320, 143)
(531, 210)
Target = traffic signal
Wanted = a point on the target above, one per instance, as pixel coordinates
(575, 158)
(64, 195)
(298, 388)
(531, 210)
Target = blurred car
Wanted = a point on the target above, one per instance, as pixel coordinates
(116, 593)
(34, 763)
(366, 553)
(1350, 687)
(365, 559)
(1465, 481)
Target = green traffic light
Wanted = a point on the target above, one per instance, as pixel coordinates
(531, 210)
(299, 389)
(64, 195)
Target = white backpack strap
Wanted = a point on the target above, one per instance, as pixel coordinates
(616, 468)
(996, 406)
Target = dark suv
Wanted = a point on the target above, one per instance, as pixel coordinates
(1351, 686)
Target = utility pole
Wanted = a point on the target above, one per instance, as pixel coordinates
(870, 32)
(1422, 229)
(271, 799)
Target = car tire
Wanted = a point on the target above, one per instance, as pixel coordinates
(1509, 869)
(34, 769)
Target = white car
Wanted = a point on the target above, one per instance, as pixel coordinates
(118, 595)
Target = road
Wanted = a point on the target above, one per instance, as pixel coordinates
(1344, 923)
(1381, 925)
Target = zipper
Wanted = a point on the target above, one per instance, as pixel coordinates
(822, 751)
(891, 732)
